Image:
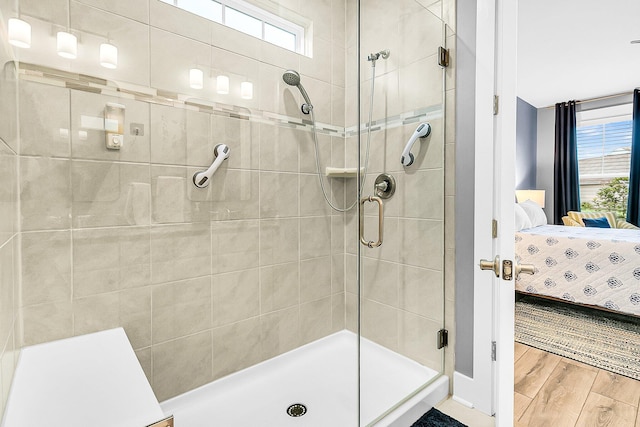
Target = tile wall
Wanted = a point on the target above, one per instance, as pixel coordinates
(207, 282)
(204, 281)
(9, 224)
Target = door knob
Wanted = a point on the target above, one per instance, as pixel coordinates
(525, 269)
(491, 265)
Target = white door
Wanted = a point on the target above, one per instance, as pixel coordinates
(494, 192)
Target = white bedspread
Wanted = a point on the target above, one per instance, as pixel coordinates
(594, 266)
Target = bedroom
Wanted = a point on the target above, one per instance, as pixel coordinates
(563, 51)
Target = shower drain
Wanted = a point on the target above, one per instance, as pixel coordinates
(296, 410)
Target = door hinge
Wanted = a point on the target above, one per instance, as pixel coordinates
(493, 351)
(496, 105)
(443, 57)
(443, 338)
(494, 228)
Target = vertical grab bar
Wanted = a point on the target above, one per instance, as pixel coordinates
(378, 200)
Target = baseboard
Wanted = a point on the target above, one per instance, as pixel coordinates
(463, 389)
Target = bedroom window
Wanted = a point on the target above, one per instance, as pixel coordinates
(249, 19)
(604, 155)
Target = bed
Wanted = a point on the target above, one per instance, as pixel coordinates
(598, 267)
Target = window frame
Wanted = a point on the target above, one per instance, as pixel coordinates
(264, 16)
(601, 117)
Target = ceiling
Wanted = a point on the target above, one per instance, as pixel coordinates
(577, 49)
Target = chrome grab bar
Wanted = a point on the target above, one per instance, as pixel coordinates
(378, 200)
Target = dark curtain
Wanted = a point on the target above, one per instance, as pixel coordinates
(566, 188)
(633, 203)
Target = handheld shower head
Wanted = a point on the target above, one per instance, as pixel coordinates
(292, 78)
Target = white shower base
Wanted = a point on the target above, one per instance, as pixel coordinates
(321, 375)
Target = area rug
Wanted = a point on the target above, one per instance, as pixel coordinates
(435, 418)
(604, 340)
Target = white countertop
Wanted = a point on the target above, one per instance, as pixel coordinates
(91, 380)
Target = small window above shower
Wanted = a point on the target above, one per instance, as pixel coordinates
(280, 27)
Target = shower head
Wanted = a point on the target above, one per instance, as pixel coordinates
(292, 78)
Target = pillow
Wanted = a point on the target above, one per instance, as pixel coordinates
(534, 212)
(522, 220)
(569, 222)
(578, 216)
(596, 222)
(621, 223)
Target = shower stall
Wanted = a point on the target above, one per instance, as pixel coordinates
(313, 260)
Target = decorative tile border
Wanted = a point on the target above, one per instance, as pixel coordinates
(86, 83)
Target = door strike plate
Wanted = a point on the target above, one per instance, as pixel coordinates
(507, 269)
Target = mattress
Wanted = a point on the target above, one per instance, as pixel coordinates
(593, 266)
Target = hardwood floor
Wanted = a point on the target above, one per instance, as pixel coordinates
(553, 391)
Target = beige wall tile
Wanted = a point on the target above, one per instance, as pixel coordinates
(414, 95)
(421, 44)
(46, 267)
(238, 68)
(236, 346)
(182, 365)
(181, 308)
(337, 273)
(380, 281)
(235, 195)
(338, 311)
(54, 11)
(46, 322)
(243, 138)
(279, 240)
(129, 36)
(9, 95)
(279, 148)
(279, 287)
(315, 279)
(278, 195)
(312, 202)
(423, 195)
(315, 320)
(421, 292)
(174, 198)
(45, 193)
(134, 10)
(275, 95)
(87, 132)
(338, 17)
(44, 120)
(318, 67)
(234, 245)
(180, 252)
(8, 193)
(280, 332)
(110, 259)
(236, 296)
(144, 356)
(8, 309)
(315, 237)
(423, 244)
(173, 19)
(308, 153)
(130, 309)
(109, 194)
(380, 323)
(418, 339)
(176, 132)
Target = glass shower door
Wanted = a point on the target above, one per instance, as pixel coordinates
(395, 291)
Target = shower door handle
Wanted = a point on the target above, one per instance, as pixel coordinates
(378, 200)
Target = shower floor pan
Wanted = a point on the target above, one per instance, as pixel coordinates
(322, 376)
